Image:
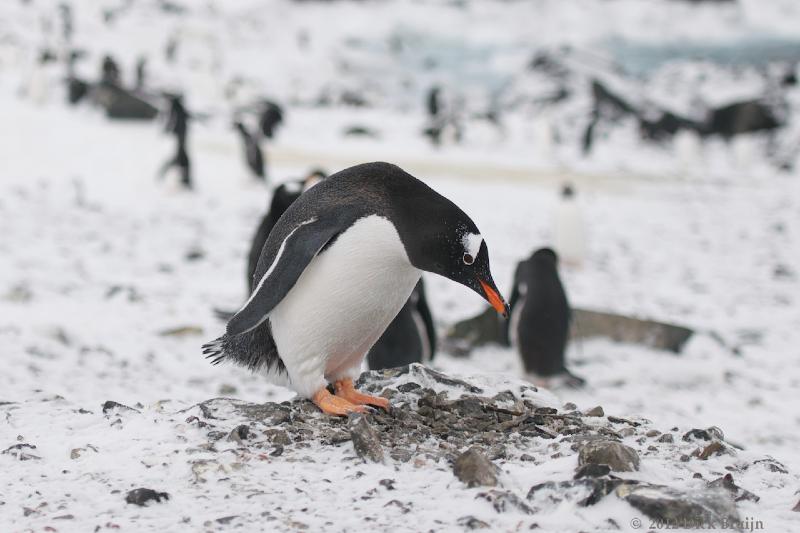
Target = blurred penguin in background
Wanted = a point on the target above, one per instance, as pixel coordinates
(570, 229)
(109, 72)
(252, 152)
(410, 338)
(284, 195)
(141, 73)
(269, 118)
(178, 125)
(540, 320)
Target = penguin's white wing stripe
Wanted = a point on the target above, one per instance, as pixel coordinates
(294, 254)
(276, 260)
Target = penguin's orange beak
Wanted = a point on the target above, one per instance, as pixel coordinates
(494, 298)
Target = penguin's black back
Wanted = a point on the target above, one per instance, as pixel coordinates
(368, 189)
(542, 325)
(408, 337)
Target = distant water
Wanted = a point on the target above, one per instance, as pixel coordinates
(639, 58)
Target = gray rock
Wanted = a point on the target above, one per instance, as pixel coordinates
(470, 522)
(690, 509)
(366, 441)
(111, 405)
(474, 469)
(772, 465)
(142, 496)
(712, 433)
(503, 500)
(584, 492)
(738, 493)
(715, 448)
(666, 437)
(592, 470)
(239, 433)
(595, 411)
(617, 456)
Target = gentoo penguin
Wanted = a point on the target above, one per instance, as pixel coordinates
(540, 319)
(178, 124)
(337, 268)
(269, 118)
(284, 195)
(410, 338)
(570, 230)
(252, 152)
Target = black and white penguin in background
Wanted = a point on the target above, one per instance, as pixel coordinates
(270, 117)
(178, 124)
(540, 320)
(410, 338)
(337, 268)
(252, 152)
(569, 229)
(283, 196)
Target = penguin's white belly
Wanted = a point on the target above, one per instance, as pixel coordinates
(342, 303)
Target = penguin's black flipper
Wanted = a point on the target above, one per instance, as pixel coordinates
(296, 251)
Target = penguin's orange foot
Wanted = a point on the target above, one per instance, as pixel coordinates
(344, 389)
(334, 405)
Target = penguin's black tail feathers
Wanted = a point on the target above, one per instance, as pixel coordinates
(215, 350)
(223, 314)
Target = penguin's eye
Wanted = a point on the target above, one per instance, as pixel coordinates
(468, 259)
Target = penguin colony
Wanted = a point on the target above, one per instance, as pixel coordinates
(334, 269)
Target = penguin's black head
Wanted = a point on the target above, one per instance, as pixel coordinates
(545, 255)
(447, 242)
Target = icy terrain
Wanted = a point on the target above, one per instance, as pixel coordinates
(108, 280)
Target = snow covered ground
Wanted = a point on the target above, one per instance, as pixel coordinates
(99, 263)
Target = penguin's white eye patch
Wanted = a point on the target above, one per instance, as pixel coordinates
(472, 245)
(468, 259)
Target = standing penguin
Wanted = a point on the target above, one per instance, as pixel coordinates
(337, 268)
(570, 229)
(410, 338)
(178, 124)
(269, 118)
(540, 319)
(252, 152)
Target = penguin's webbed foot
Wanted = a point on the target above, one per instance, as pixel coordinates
(344, 389)
(334, 405)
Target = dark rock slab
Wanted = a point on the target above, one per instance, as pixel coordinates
(690, 509)
(592, 470)
(122, 104)
(488, 328)
(620, 328)
(475, 469)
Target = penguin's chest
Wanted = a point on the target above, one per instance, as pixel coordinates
(345, 299)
